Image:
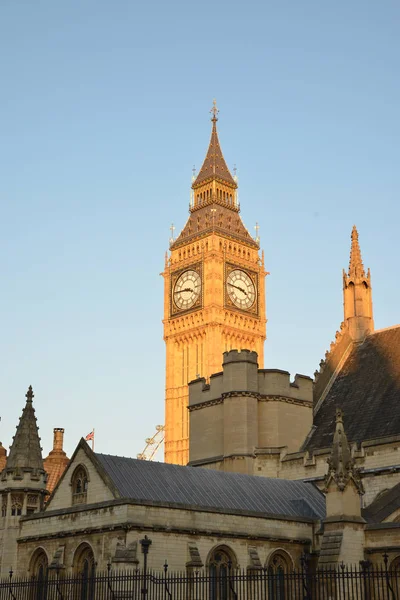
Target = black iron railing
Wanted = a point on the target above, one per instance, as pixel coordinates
(364, 582)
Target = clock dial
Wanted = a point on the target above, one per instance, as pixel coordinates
(187, 289)
(241, 289)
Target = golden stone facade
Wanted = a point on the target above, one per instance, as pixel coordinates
(214, 293)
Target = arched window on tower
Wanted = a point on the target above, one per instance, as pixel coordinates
(16, 505)
(4, 505)
(79, 483)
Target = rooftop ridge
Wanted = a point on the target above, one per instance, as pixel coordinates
(328, 354)
(384, 329)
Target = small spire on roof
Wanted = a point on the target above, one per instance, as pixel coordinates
(356, 267)
(29, 394)
(342, 467)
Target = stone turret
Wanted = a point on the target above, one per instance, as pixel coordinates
(357, 323)
(245, 412)
(357, 294)
(22, 482)
(343, 538)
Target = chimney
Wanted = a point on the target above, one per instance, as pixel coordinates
(58, 439)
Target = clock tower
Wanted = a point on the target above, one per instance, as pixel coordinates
(214, 293)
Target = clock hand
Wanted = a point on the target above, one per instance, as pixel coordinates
(238, 288)
(184, 290)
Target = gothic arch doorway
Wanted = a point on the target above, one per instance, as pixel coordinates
(84, 567)
(221, 563)
(38, 570)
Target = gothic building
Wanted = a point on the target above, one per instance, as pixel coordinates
(277, 466)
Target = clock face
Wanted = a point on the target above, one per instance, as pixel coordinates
(187, 289)
(241, 289)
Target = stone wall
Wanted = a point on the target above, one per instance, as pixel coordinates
(170, 529)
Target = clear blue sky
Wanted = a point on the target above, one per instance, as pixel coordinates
(103, 112)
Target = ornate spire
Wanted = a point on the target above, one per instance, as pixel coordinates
(356, 267)
(25, 451)
(342, 468)
(357, 294)
(214, 165)
(29, 394)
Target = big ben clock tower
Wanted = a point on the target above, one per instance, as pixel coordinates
(214, 294)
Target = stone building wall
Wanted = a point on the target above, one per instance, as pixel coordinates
(171, 530)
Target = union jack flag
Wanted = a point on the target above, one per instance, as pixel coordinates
(90, 436)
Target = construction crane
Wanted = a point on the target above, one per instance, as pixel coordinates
(153, 444)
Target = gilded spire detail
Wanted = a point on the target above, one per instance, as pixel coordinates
(214, 165)
(356, 267)
(342, 467)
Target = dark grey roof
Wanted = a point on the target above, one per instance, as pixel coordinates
(163, 483)
(367, 389)
(383, 506)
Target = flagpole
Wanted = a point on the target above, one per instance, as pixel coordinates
(93, 441)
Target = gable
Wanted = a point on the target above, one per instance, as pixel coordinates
(97, 489)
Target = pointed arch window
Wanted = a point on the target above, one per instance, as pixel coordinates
(278, 566)
(221, 563)
(16, 505)
(39, 569)
(79, 484)
(85, 566)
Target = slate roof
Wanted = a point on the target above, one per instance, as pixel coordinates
(225, 221)
(205, 488)
(214, 165)
(367, 389)
(383, 506)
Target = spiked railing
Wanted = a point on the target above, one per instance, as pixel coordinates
(362, 582)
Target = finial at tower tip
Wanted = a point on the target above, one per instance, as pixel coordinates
(214, 111)
(356, 266)
(29, 394)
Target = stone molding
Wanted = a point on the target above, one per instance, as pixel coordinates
(140, 527)
(70, 510)
(245, 394)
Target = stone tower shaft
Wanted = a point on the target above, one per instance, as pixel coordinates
(357, 294)
(214, 292)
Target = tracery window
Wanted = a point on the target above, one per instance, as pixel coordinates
(38, 569)
(79, 484)
(32, 504)
(84, 565)
(16, 505)
(278, 566)
(221, 564)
